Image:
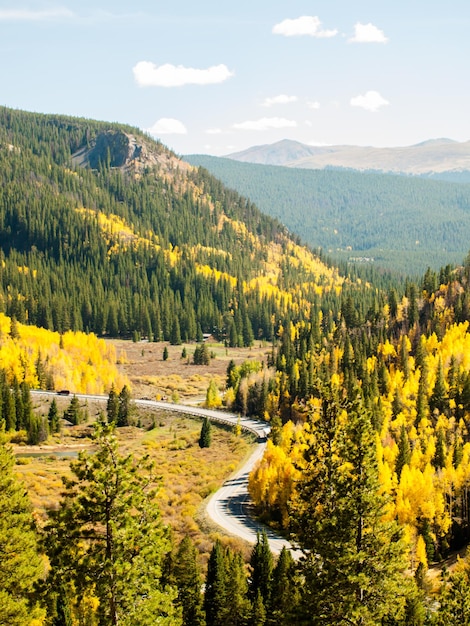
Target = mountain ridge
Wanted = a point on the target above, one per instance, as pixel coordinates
(103, 229)
(433, 156)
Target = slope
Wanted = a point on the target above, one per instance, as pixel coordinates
(103, 229)
(401, 223)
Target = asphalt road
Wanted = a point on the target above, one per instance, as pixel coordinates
(230, 506)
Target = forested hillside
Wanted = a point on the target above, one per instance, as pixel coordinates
(401, 223)
(367, 391)
(103, 229)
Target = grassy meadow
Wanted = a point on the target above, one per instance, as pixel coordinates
(188, 473)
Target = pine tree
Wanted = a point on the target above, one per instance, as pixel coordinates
(205, 438)
(284, 591)
(125, 408)
(112, 405)
(258, 617)
(189, 583)
(238, 604)
(261, 564)
(354, 561)
(438, 400)
(404, 451)
(63, 616)
(107, 537)
(73, 413)
(175, 336)
(53, 417)
(454, 599)
(215, 595)
(21, 564)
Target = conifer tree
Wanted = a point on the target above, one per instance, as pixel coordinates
(107, 537)
(438, 399)
(73, 413)
(215, 595)
(258, 617)
(261, 564)
(112, 405)
(205, 438)
(189, 583)
(354, 560)
(284, 591)
(175, 336)
(63, 614)
(125, 408)
(21, 564)
(404, 451)
(454, 599)
(238, 604)
(53, 417)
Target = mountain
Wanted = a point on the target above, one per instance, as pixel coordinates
(433, 157)
(104, 229)
(402, 223)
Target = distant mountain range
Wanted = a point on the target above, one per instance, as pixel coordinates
(442, 158)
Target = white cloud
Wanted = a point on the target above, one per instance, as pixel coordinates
(281, 99)
(167, 126)
(214, 131)
(305, 25)
(370, 101)
(367, 33)
(28, 15)
(313, 104)
(266, 123)
(148, 74)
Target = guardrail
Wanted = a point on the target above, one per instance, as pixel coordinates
(255, 427)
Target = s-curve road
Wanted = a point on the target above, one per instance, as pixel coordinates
(230, 506)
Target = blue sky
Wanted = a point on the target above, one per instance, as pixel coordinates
(217, 77)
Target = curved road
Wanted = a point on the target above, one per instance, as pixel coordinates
(230, 506)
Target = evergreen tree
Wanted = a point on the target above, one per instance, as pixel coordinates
(189, 583)
(63, 615)
(53, 417)
(354, 560)
(112, 405)
(175, 336)
(165, 353)
(258, 617)
(14, 332)
(107, 537)
(215, 595)
(261, 564)
(73, 412)
(238, 605)
(404, 451)
(438, 400)
(201, 355)
(284, 591)
(454, 599)
(125, 408)
(205, 438)
(21, 564)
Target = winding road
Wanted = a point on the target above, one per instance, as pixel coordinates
(229, 507)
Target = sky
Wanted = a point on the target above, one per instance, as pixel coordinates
(216, 77)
